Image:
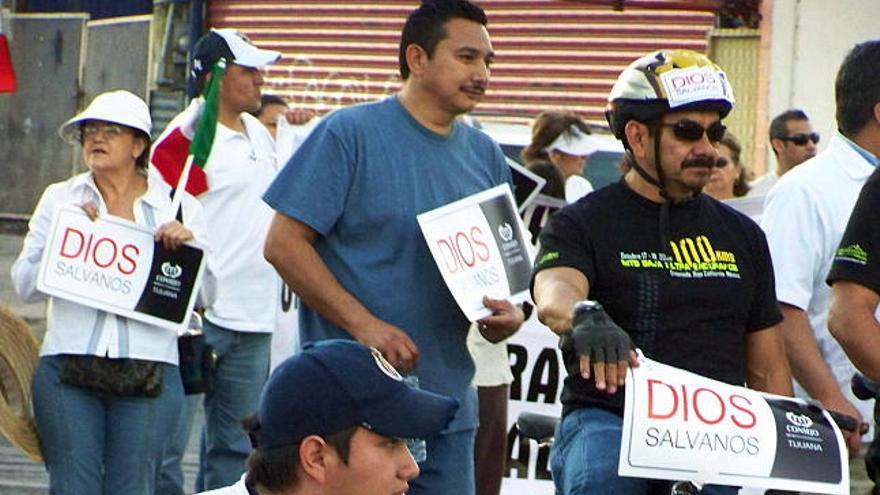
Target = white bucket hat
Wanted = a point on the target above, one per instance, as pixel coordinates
(118, 107)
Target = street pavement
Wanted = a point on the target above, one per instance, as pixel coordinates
(21, 476)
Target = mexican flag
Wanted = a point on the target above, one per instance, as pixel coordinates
(7, 73)
(188, 140)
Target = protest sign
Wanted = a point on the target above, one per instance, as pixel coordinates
(537, 214)
(478, 245)
(526, 184)
(538, 372)
(285, 336)
(681, 426)
(116, 266)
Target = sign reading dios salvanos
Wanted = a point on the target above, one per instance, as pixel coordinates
(479, 246)
(116, 265)
(681, 426)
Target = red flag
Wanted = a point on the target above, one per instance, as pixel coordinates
(7, 73)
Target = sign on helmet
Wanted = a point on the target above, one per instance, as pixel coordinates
(667, 80)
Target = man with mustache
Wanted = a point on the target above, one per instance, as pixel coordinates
(345, 236)
(688, 279)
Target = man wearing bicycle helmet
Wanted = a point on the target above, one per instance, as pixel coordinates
(688, 279)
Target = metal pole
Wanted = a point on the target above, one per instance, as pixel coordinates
(196, 23)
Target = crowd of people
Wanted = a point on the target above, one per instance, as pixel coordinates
(395, 390)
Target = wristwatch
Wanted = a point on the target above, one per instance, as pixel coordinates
(585, 306)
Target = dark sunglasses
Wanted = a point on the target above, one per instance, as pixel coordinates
(801, 139)
(688, 130)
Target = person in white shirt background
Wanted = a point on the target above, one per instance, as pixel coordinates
(805, 215)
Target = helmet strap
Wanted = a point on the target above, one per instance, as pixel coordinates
(659, 182)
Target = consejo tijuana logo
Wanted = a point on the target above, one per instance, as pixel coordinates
(505, 231)
(801, 420)
(170, 270)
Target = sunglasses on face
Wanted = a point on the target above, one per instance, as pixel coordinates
(801, 139)
(688, 130)
(110, 130)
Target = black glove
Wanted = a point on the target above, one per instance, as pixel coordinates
(596, 335)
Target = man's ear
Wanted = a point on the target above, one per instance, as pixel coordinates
(777, 144)
(638, 135)
(416, 59)
(314, 459)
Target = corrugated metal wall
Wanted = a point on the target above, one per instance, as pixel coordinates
(550, 53)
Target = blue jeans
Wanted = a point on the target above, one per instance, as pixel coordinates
(102, 444)
(241, 371)
(585, 454)
(170, 480)
(449, 467)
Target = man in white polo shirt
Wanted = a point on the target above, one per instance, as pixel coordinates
(238, 325)
(805, 215)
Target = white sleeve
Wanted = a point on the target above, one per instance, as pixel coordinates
(289, 137)
(793, 227)
(26, 268)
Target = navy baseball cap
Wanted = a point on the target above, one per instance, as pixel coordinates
(232, 45)
(338, 384)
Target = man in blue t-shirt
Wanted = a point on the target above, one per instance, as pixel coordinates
(345, 236)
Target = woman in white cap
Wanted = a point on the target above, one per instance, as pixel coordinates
(107, 390)
(562, 139)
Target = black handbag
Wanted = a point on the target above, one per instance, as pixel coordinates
(121, 377)
(196, 363)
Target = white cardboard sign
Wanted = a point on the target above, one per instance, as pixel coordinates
(115, 265)
(538, 374)
(478, 245)
(681, 426)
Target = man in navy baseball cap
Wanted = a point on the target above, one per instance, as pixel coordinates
(333, 419)
(232, 45)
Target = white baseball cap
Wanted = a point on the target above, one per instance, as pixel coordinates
(118, 107)
(232, 45)
(574, 142)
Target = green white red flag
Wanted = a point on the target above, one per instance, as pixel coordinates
(188, 140)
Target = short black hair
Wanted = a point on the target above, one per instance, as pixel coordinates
(778, 128)
(426, 26)
(275, 468)
(857, 88)
(268, 99)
